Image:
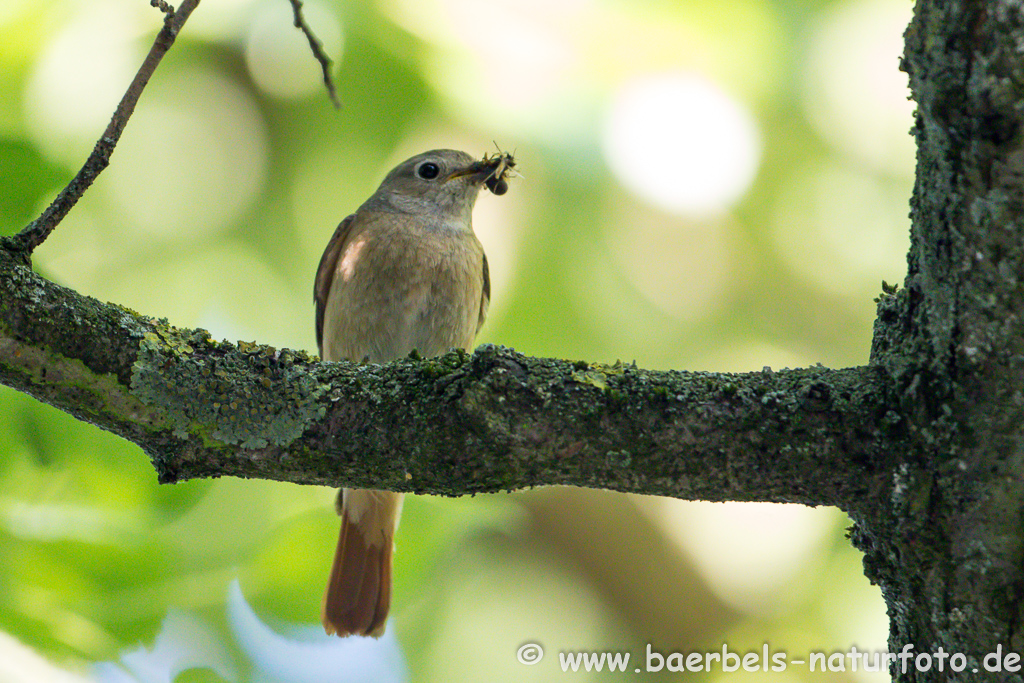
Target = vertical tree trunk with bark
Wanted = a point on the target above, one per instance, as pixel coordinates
(946, 547)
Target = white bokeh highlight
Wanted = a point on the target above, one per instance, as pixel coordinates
(80, 76)
(189, 166)
(752, 555)
(307, 655)
(508, 68)
(679, 142)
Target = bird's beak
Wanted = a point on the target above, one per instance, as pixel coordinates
(477, 168)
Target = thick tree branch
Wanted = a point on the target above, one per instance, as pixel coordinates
(494, 420)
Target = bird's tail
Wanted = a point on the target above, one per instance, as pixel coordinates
(358, 593)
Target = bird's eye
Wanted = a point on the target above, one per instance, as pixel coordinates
(428, 171)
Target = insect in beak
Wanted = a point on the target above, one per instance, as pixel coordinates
(497, 167)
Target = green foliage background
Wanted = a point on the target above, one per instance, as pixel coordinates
(223, 193)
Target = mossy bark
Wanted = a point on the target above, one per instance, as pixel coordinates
(948, 551)
(494, 420)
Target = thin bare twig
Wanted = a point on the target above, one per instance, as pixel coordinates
(318, 51)
(38, 230)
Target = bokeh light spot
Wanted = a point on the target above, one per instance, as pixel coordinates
(751, 554)
(854, 92)
(189, 166)
(679, 142)
(79, 78)
(842, 230)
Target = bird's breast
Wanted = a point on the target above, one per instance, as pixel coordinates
(398, 290)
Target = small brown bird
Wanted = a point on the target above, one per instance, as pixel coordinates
(404, 272)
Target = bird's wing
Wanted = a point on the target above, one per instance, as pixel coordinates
(325, 275)
(485, 298)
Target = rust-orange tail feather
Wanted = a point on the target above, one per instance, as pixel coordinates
(358, 593)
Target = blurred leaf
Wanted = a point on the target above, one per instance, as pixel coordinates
(27, 179)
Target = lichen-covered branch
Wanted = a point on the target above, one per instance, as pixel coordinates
(463, 423)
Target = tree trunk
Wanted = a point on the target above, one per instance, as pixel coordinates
(945, 542)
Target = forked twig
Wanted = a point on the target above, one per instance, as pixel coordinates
(318, 51)
(36, 232)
